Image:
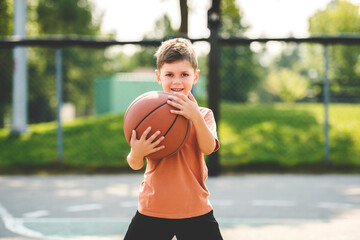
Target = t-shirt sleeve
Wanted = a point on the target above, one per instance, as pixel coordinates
(211, 124)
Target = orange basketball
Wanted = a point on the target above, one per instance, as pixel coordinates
(151, 110)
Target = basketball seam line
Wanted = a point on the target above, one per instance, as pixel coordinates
(138, 99)
(147, 116)
(187, 127)
(171, 125)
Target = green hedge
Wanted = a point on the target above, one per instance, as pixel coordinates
(89, 143)
(288, 135)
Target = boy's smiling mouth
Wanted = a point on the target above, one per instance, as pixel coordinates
(176, 89)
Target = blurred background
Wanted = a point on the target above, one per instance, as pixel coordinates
(286, 102)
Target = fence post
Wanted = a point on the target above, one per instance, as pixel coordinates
(326, 106)
(58, 62)
(20, 82)
(214, 86)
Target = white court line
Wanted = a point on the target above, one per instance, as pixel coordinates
(127, 204)
(84, 207)
(37, 214)
(16, 225)
(222, 202)
(77, 220)
(251, 221)
(335, 205)
(273, 203)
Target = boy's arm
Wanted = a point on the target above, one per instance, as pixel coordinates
(189, 108)
(135, 162)
(205, 138)
(142, 147)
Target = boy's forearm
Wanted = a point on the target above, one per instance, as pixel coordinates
(135, 162)
(205, 138)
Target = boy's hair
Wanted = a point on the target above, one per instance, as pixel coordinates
(174, 50)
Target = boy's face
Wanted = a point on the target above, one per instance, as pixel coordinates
(178, 76)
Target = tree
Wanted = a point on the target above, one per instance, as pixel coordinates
(240, 72)
(184, 12)
(144, 57)
(62, 17)
(287, 84)
(339, 17)
(162, 29)
(66, 17)
(288, 58)
(6, 62)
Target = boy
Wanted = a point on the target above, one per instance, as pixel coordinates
(173, 198)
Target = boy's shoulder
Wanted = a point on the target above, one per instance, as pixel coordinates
(205, 111)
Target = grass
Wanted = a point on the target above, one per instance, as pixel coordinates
(90, 144)
(287, 136)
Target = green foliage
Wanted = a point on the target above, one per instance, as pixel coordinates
(231, 20)
(342, 18)
(279, 134)
(145, 56)
(287, 84)
(162, 29)
(289, 58)
(5, 62)
(240, 71)
(289, 63)
(80, 66)
(5, 83)
(288, 134)
(88, 143)
(6, 7)
(66, 17)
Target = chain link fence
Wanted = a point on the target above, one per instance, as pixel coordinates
(290, 104)
(272, 109)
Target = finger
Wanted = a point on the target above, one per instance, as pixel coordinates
(191, 97)
(157, 149)
(174, 104)
(157, 142)
(175, 99)
(145, 133)
(176, 112)
(133, 137)
(181, 96)
(152, 138)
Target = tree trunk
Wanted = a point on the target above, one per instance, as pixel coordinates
(184, 18)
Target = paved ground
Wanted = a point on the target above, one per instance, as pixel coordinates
(99, 207)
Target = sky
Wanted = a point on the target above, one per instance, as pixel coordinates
(131, 19)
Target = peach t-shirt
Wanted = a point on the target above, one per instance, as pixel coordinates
(174, 187)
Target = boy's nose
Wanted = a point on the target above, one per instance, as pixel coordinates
(176, 80)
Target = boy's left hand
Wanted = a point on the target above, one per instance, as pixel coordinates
(187, 106)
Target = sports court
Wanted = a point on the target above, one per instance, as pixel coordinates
(255, 206)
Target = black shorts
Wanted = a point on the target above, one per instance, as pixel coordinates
(151, 228)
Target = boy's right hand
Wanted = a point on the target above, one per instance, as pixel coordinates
(145, 146)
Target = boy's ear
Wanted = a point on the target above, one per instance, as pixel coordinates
(197, 73)
(157, 72)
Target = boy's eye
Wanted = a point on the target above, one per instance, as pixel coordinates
(185, 74)
(168, 75)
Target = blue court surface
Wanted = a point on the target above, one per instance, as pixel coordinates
(246, 206)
